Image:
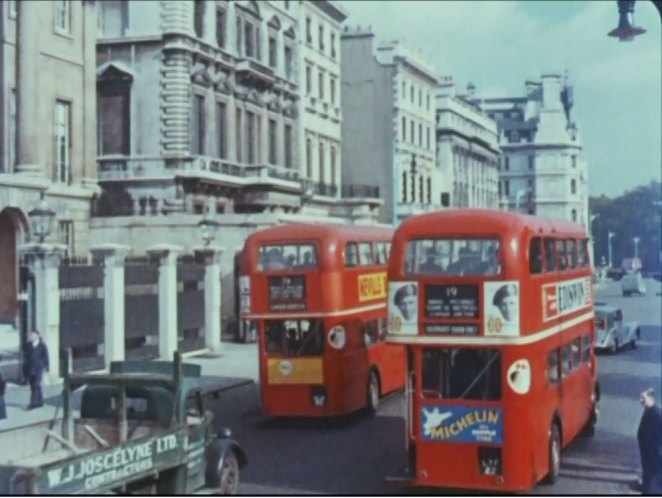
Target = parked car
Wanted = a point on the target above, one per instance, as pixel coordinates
(633, 283)
(615, 273)
(610, 332)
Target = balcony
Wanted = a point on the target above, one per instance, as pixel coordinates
(253, 71)
(414, 208)
(360, 191)
(318, 188)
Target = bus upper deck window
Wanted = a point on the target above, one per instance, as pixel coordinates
(572, 253)
(351, 254)
(550, 261)
(562, 257)
(583, 253)
(535, 255)
(365, 249)
(275, 257)
(454, 257)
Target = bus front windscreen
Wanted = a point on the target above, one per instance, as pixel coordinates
(294, 337)
(453, 257)
(462, 373)
(287, 257)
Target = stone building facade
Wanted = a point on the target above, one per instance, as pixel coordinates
(467, 150)
(47, 129)
(388, 132)
(542, 168)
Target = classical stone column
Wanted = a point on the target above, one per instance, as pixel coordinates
(209, 22)
(212, 258)
(167, 256)
(113, 256)
(27, 92)
(44, 262)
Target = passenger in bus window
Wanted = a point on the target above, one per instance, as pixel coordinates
(430, 264)
(307, 260)
(463, 265)
(506, 300)
(491, 266)
(406, 299)
(291, 260)
(275, 260)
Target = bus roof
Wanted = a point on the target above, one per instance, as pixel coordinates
(303, 231)
(482, 221)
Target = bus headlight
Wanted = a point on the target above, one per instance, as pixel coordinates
(337, 337)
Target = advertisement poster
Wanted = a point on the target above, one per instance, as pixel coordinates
(245, 294)
(287, 293)
(451, 301)
(403, 308)
(501, 309)
(462, 424)
(562, 298)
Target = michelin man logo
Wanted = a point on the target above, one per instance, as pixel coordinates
(433, 419)
(519, 376)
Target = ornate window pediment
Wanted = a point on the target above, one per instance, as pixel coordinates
(114, 72)
(274, 23)
(290, 33)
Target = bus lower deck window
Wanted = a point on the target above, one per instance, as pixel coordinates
(294, 337)
(462, 373)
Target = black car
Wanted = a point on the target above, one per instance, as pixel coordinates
(615, 273)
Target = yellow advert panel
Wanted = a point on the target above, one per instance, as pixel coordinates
(372, 286)
(295, 371)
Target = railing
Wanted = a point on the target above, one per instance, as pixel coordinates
(366, 191)
(325, 189)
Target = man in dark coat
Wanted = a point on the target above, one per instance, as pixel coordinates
(649, 436)
(36, 363)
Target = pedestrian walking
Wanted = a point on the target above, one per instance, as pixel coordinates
(649, 436)
(3, 407)
(36, 363)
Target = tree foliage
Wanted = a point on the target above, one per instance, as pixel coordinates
(637, 213)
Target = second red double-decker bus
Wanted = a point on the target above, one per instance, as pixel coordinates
(317, 296)
(496, 312)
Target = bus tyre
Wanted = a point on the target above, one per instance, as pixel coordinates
(554, 454)
(229, 484)
(589, 428)
(373, 393)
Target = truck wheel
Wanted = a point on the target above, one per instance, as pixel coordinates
(554, 455)
(229, 475)
(372, 393)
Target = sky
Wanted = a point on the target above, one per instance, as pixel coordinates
(498, 45)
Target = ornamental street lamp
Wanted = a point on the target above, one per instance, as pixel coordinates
(609, 237)
(520, 194)
(41, 219)
(208, 227)
(626, 30)
(636, 246)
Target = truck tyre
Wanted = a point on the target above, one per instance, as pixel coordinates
(554, 454)
(372, 393)
(229, 475)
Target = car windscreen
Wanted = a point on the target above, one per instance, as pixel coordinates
(294, 337)
(275, 257)
(452, 256)
(462, 373)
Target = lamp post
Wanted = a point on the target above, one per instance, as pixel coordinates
(636, 246)
(41, 219)
(519, 194)
(626, 30)
(208, 227)
(609, 237)
(590, 234)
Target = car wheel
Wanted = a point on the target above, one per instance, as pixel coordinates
(554, 454)
(229, 484)
(372, 393)
(633, 343)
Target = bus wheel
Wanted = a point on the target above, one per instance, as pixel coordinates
(589, 428)
(373, 393)
(554, 454)
(229, 475)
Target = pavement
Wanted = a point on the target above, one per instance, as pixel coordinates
(234, 366)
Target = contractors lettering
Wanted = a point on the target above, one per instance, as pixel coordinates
(372, 286)
(467, 421)
(115, 465)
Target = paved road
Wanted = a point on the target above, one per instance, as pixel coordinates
(352, 455)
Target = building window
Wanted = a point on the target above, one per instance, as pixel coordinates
(412, 132)
(531, 161)
(238, 32)
(67, 235)
(404, 129)
(288, 146)
(429, 180)
(252, 137)
(62, 141)
(287, 4)
(404, 187)
(220, 27)
(309, 30)
(420, 97)
(404, 89)
(12, 131)
(427, 137)
(114, 118)
(273, 131)
(412, 91)
(421, 193)
(574, 161)
(320, 82)
(249, 38)
(198, 17)
(332, 88)
(288, 62)
(420, 135)
(63, 16)
(333, 45)
(309, 78)
(506, 187)
(273, 54)
(573, 186)
(321, 163)
(427, 98)
(11, 9)
(309, 158)
(413, 187)
(333, 166)
(573, 215)
(198, 125)
(321, 37)
(238, 130)
(222, 130)
(506, 163)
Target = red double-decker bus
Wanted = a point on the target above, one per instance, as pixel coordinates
(499, 332)
(317, 296)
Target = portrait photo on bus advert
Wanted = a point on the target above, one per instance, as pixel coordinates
(501, 309)
(403, 307)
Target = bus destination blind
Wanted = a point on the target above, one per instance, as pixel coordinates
(451, 301)
(287, 293)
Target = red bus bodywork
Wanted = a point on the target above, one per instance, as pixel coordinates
(504, 442)
(334, 379)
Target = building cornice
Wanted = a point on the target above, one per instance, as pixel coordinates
(417, 68)
(332, 9)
